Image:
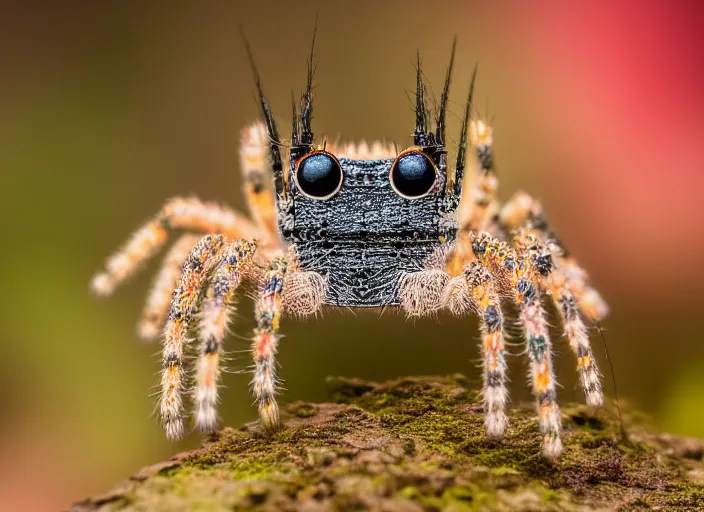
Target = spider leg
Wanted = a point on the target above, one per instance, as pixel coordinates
(266, 339)
(177, 213)
(518, 271)
(479, 205)
(157, 307)
(184, 305)
(482, 204)
(525, 212)
(254, 164)
(532, 316)
(576, 332)
(475, 291)
(216, 310)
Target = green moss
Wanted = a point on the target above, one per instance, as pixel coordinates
(419, 441)
(303, 409)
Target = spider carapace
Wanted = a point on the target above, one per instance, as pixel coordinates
(360, 226)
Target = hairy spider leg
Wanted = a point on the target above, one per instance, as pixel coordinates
(532, 316)
(491, 322)
(482, 204)
(479, 205)
(257, 175)
(519, 269)
(265, 343)
(524, 212)
(216, 311)
(157, 307)
(566, 303)
(178, 213)
(184, 305)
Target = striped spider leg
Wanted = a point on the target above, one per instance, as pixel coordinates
(524, 212)
(517, 272)
(193, 215)
(566, 283)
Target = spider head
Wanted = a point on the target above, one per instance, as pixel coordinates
(361, 222)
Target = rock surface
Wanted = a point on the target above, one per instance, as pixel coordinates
(418, 444)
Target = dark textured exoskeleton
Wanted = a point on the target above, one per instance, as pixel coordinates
(357, 228)
(370, 226)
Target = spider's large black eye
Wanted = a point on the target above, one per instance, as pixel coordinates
(319, 175)
(413, 174)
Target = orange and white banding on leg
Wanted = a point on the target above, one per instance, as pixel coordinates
(495, 393)
(184, 305)
(215, 314)
(157, 307)
(266, 339)
(178, 213)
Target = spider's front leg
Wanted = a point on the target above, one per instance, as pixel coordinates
(425, 292)
(475, 291)
(184, 306)
(517, 273)
(285, 289)
(266, 340)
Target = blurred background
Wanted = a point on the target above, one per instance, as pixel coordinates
(108, 109)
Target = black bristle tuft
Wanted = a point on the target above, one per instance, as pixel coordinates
(462, 150)
(307, 101)
(442, 111)
(419, 135)
(272, 130)
(295, 125)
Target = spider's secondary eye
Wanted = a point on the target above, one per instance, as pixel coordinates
(319, 175)
(413, 174)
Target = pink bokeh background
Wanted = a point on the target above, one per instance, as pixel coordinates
(631, 75)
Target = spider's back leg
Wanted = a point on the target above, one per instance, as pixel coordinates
(576, 332)
(178, 213)
(523, 212)
(479, 203)
(257, 178)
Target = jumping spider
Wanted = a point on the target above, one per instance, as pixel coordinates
(359, 226)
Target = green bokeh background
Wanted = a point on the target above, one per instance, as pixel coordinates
(106, 111)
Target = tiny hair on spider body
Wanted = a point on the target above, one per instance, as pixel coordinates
(358, 226)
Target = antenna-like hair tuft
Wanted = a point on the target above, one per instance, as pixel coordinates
(307, 100)
(419, 135)
(462, 150)
(272, 131)
(442, 111)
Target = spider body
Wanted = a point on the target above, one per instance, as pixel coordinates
(359, 226)
(366, 237)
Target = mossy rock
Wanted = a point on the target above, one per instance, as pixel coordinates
(418, 444)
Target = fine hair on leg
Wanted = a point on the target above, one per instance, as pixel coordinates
(178, 213)
(216, 311)
(265, 343)
(421, 293)
(151, 325)
(184, 305)
(491, 321)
